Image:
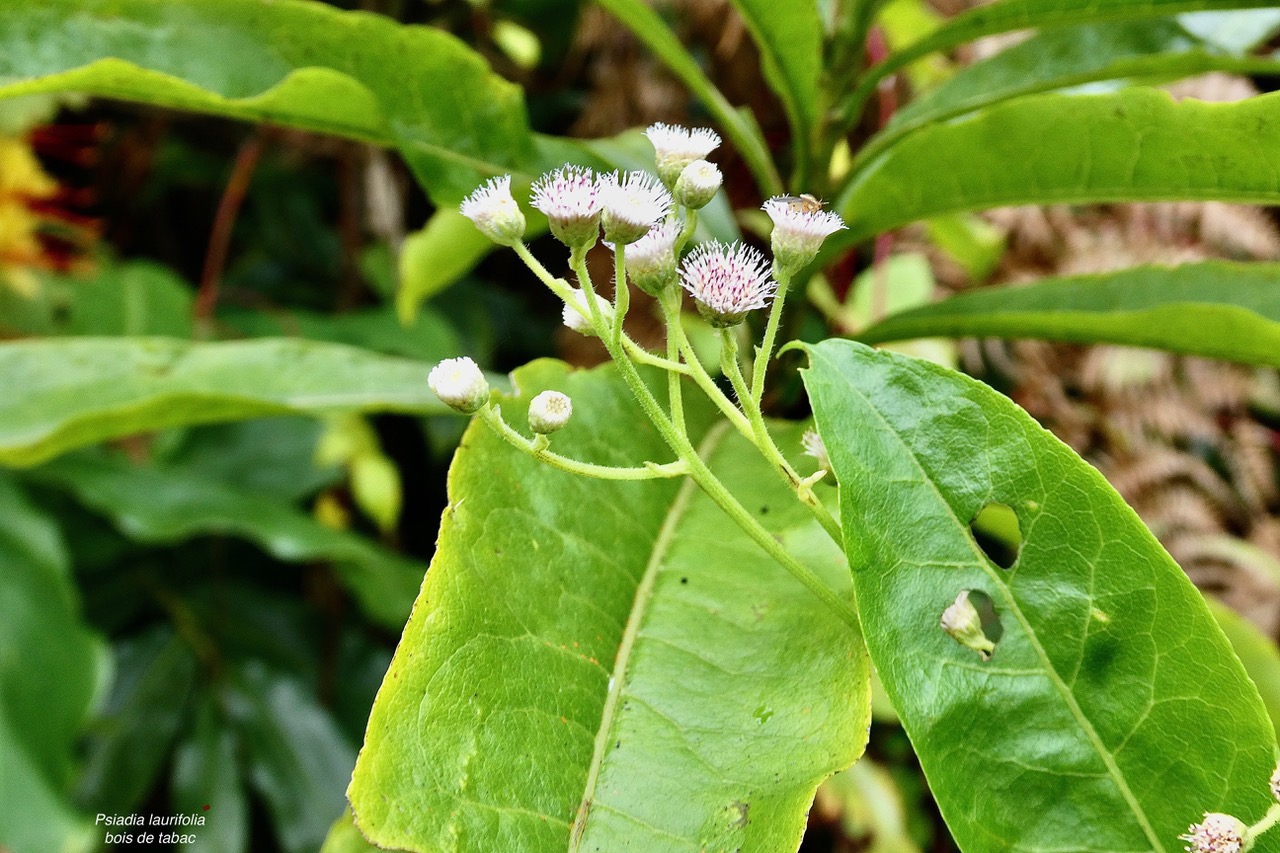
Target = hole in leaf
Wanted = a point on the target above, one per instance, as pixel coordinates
(995, 528)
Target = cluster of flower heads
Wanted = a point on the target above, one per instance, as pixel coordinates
(636, 210)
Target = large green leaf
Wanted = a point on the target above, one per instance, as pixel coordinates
(790, 37)
(604, 666)
(288, 62)
(155, 504)
(69, 393)
(1042, 14)
(1113, 712)
(1257, 652)
(1217, 309)
(136, 298)
(48, 674)
(1132, 145)
(1058, 59)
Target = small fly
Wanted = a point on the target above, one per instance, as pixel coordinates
(803, 203)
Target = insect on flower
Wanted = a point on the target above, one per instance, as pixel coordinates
(804, 203)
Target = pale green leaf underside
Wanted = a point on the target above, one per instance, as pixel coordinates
(1113, 712)
(1217, 309)
(154, 504)
(614, 654)
(67, 393)
(295, 63)
(1132, 145)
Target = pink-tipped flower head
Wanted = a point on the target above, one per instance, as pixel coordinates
(800, 225)
(727, 281)
(698, 184)
(651, 260)
(675, 147)
(570, 199)
(495, 212)
(1216, 833)
(632, 204)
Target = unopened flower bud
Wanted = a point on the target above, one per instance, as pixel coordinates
(962, 622)
(495, 212)
(578, 318)
(727, 282)
(570, 199)
(549, 411)
(698, 184)
(632, 204)
(460, 384)
(1216, 833)
(800, 225)
(675, 147)
(651, 260)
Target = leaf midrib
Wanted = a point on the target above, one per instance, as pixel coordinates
(639, 606)
(1113, 770)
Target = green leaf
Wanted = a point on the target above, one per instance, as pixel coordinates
(86, 390)
(206, 782)
(789, 36)
(152, 504)
(1042, 14)
(49, 664)
(428, 336)
(302, 64)
(131, 740)
(602, 665)
(298, 759)
(136, 298)
(344, 837)
(1217, 309)
(435, 257)
(1132, 145)
(1111, 691)
(1058, 59)
(1257, 652)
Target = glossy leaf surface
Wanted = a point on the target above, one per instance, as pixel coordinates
(1217, 309)
(77, 392)
(600, 665)
(1111, 690)
(294, 63)
(1132, 145)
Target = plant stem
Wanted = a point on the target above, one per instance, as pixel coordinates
(558, 286)
(642, 356)
(700, 375)
(649, 471)
(670, 302)
(765, 353)
(621, 293)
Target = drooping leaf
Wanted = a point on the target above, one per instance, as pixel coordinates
(302, 64)
(298, 759)
(789, 36)
(155, 504)
(48, 671)
(1218, 309)
(1059, 59)
(1111, 690)
(206, 782)
(599, 665)
(70, 393)
(1132, 145)
(443, 251)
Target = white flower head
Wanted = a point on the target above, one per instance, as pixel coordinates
(549, 411)
(495, 212)
(675, 147)
(800, 225)
(962, 622)
(576, 315)
(570, 199)
(814, 446)
(1275, 783)
(698, 184)
(632, 204)
(727, 281)
(651, 260)
(460, 384)
(1216, 833)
